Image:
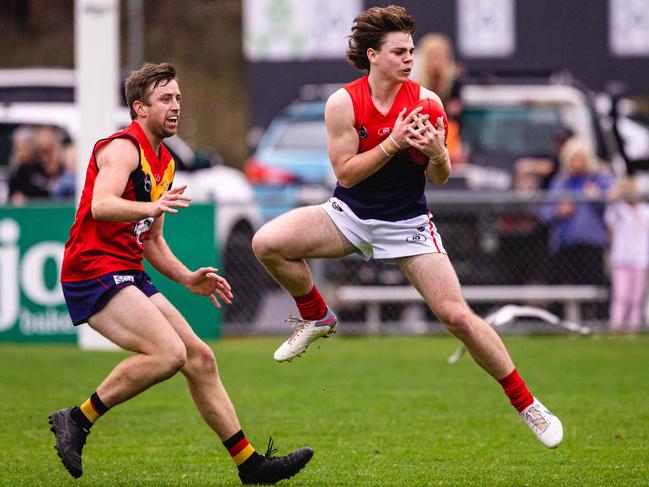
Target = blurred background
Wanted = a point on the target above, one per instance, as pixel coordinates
(549, 139)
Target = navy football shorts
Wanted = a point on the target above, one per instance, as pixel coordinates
(85, 298)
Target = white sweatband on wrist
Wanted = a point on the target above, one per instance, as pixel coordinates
(384, 151)
(394, 142)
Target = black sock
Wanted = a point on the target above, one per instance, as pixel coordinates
(80, 418)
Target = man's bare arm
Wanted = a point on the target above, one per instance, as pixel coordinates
(116, 161)
(203, 281)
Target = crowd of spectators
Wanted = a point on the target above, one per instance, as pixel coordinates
(41, 165)
(593, 229)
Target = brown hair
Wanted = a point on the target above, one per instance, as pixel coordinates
(369, 29)
(141, 83)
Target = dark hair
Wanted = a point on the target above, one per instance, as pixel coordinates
(141, 83)
(369, 29)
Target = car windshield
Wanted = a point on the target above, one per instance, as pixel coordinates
(513, 131)
(303, 134)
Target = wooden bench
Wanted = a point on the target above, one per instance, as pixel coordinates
(571, 296)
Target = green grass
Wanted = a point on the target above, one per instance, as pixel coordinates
(377, 411)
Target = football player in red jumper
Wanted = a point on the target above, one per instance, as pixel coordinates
(375, 141)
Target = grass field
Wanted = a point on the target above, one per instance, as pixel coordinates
(377, 411)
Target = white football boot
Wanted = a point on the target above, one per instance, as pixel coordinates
(545, 425)
(304, 333)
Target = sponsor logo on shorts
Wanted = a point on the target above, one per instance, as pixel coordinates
(421, 228)
(384, 130)
(416, 238)
(336, 206)
(362, 133)
(122, 279)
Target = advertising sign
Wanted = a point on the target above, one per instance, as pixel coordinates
(297, 30)
(629, 27)
(32, 239)
(486, 28)
(31, 250)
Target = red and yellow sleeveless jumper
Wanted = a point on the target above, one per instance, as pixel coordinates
(98, 247)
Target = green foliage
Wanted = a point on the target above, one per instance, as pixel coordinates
(377, 411)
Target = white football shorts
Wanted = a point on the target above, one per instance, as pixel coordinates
(380, 239)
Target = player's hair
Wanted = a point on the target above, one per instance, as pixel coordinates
(369, 29)
(141, 83)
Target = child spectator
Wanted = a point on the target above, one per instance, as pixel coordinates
(627, 219)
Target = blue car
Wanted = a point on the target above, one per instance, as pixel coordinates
(290, 167)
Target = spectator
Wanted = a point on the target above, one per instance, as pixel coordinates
(24, 174)
(521, 232)
(576, 216)
(439, 73)
(522, 254)
(65, 185)
(51, 152)
(22, 147)
(627, 219)
(538, 172)
(39, 166)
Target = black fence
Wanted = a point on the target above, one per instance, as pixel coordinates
(506, 247)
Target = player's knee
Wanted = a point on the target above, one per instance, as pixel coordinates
(179, 359)
(264, 245)
(201, 360)
(458, 321)
(173, 359)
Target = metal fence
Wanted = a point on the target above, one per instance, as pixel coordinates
(502, 247)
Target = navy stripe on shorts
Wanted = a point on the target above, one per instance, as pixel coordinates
(85, 298)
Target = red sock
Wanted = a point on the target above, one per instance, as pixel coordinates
(311, 305)
(516, 390)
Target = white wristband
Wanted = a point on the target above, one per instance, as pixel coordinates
(384, 151)
(394, 142)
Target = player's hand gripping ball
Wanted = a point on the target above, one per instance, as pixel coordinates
(434, 110)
